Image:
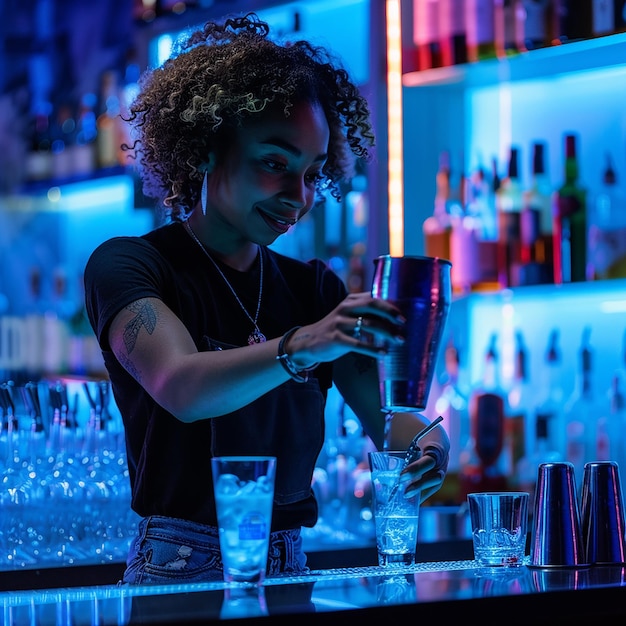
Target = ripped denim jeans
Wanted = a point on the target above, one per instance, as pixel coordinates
(168, 550)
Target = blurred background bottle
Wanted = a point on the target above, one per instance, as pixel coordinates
(426, 35)
(483, 458)
(581, 412)
(480, 29)
(452, 396)
(437, 228)
(452, 32)
(509, 208)
(607, 228)
(569, 226)
(519, 397)
(536, 223)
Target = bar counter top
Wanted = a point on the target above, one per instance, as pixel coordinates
(445, 591)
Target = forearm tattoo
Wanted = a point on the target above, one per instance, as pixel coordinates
(145, 317)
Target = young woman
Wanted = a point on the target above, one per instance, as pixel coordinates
(214, 343)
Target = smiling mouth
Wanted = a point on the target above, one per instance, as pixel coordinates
(277, 224)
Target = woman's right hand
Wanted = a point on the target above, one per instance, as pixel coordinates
(360, 323)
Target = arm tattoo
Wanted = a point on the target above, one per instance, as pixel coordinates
(145, 317)
(129, 366)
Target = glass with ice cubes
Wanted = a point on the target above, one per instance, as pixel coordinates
(244, 493)
(395, 516)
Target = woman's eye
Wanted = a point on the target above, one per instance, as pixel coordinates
(274, 165)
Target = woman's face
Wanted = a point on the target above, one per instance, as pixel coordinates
(267, 178)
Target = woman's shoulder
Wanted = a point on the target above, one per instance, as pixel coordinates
(149, 244)
(303, 275)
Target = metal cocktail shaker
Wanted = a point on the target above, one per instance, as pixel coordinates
(421, 288)
(603, 520)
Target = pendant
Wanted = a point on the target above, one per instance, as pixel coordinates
(256, 336)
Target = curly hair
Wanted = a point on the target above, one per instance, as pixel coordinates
(227, 73)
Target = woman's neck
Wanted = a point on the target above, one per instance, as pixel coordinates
(240, 255)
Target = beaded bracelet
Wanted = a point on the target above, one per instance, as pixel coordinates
(299, 375)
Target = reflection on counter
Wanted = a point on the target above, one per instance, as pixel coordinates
(436, 590)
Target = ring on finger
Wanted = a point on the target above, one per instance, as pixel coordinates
(356, 332)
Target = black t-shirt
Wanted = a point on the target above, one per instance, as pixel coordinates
(170, 461)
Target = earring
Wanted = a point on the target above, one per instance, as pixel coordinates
(204, 192)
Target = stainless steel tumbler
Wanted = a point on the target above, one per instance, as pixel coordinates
(602, 514)
(556, 539)
(420, 287)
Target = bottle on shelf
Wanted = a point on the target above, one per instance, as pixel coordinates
(436, 228)
(39, 157)
(551, 397)
(536, 223)
(514, 17)
(452, 32)
(607, 229)
(543, 452)
(63, 132)
(84, 151)
(610, 438)
(426, 23)
(610, 425)
(581, 413)
(451, 402)
(576, 20)
(483, 460)
(480, 29)
(517, 407)
(569, 225)
(537, 30)
(509, 207)
(109, 137)
(464, 238)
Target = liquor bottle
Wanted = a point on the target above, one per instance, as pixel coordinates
(551, 396)
(437, 228)
(603, 18)
(452, 404)
(619, 15)
(452, 32)
(537, 31)
(464, 236)
(482, 463)
(426, 33)
(518, 409)
(39, 157)
(543, 452)
(581, 413)
(84, 150)
(555, 22)
(536, 222)
(607, 229)
(480, 28)
(569, 225)
(481, 204)
(609, 434)
(509, 206)
(63, 132)
(108, 140)
(576, 20)
(514, 16)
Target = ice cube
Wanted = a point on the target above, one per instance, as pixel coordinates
(227, 484)
(264, 484)
(248, 488)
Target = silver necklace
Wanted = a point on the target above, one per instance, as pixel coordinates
(256, 336)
